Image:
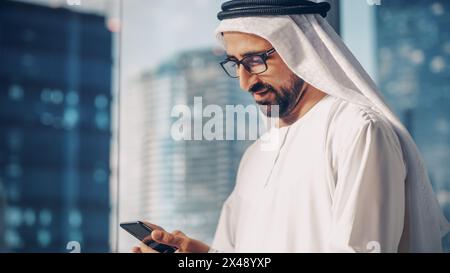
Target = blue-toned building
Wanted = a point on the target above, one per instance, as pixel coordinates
(414, 73)
(55, 94)
(182, 184)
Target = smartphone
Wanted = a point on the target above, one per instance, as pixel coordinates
(141, 231)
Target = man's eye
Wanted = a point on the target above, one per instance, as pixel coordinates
(254, 60)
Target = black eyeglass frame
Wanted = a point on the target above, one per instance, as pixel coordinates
(263, 55)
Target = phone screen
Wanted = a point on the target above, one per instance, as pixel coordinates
(141, 231)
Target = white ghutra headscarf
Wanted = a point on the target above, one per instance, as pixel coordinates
(313, 51)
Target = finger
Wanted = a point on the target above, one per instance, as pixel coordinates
(152, 226)
(178, 233)
(167, 238)
(147, 239)
(146, 249)
(136, 249)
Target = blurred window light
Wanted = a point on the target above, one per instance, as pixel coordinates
(437, 64)
(29, 217)
(57, 96)
(13, 216)
(72, 98)
(12, 238)
(45, 217)
(14, 170)
(75, 218)
(437, 8)
(101, 101)
(102, 120)
(44, 237)
(70, 118)
(16, 92)
(100, 175)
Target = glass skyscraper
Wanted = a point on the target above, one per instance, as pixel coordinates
(414, 73)
(178, 184)
(55, 93)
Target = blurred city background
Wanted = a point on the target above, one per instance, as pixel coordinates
(86, 93)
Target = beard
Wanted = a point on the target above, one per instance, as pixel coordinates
(284, 99)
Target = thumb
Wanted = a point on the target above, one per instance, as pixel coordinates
(167, 238)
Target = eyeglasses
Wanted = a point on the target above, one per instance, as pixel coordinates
(254, 63)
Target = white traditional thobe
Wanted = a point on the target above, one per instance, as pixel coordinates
(336, 184)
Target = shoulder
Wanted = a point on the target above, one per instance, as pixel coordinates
(351, 123)
(353, 116)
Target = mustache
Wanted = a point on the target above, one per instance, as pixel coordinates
(260, 86)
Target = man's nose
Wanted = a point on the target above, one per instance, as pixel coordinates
(246, 79)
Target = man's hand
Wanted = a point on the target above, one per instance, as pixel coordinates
(177, 239)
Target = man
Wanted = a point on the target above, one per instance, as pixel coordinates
(346, 175)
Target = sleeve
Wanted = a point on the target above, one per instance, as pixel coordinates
(369, 198)
(224, 236)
